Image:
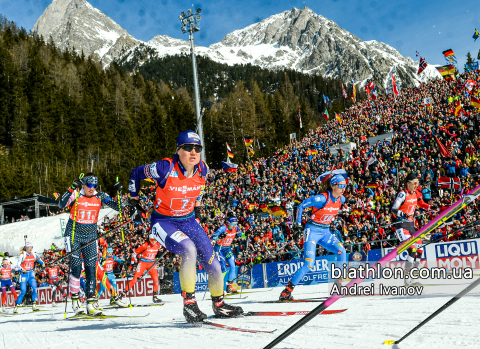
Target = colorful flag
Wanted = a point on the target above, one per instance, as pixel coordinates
(448, 52)
(449, 69)
(422, 66)
(230, 155)
(339, 118)
(228, 147)
(344, 93)
(299, 116)
(229, 166)
(475, 102)
(278, 211)
(371, 160)
(250, 150)
(395, 89)
(475, 35)
(367, 91)
(441, 70)
(326, 100)
(56, 195)
(325, 115)
(371, 86)
(443, 150)
(354, 93)
(469, 84)
(261, 145)
(458, 107)
(449, 183)
(248, 141)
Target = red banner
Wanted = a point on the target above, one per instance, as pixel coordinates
(44, 294)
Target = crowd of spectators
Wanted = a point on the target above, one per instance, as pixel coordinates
(263, 193)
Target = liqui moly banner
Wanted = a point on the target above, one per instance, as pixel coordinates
(455, 254)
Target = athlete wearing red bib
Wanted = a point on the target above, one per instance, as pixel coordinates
(179, 187)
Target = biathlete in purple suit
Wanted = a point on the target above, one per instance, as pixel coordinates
(180, 182)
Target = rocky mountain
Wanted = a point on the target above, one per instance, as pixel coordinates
(298, 39)
(76, 24)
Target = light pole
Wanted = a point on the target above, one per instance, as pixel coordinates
(190, 25)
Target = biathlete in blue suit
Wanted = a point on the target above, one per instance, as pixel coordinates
(224, 237)
(26, 266)
(325, 207)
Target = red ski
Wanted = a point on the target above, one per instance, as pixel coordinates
(289, 313)
(214, 324)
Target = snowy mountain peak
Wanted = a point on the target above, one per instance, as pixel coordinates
(297, 39)
(76, 23)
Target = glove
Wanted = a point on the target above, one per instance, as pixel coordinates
(118, 187)
(222, 235)
(137, 211)
(76, 184)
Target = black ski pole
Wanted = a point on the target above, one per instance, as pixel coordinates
(70, 259)
(119, 199)
(442, 308)
(88, 243)
(158, 259)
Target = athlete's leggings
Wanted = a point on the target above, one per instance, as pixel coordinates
(225, 254)
(84, 233)
(7, 284)
(55, 284)
(141, 267)
(313, 234)
(184, 236)
(28, 278)
(404, 230)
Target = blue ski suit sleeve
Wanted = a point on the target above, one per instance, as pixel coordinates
(155, 171)
(219, 231)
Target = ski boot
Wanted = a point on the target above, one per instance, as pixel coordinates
(190, 308)
(54, 304)
(230, 288)
(156, 299)
(286, 294)
(93, 307)
(117, 299)
(225, 310)
(76, 305)
(34, 306)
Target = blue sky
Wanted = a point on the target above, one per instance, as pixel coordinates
(427, 26)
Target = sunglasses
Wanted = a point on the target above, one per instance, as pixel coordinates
(415, 183)
(342, 186)
(91, 185)
(189, 147)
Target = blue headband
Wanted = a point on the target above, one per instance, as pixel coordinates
(337, 179)
(232, 220)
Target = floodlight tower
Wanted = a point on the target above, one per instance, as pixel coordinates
(190, 25)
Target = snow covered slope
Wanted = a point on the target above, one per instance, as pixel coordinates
(42, 232)
(366, 324)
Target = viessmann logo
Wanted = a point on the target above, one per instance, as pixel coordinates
(86, 204)
(331, 209)
(185, 189)
(412, 200)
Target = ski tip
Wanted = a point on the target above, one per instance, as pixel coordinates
(130, 306)
(389, 342)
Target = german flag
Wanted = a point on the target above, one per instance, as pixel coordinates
(450, 69)
(442, 71)
(448, 52)
(230, 155)
(248, 141)
(475, 102)
(458, 107)
(277, 211)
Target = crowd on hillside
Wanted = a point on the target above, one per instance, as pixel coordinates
(263, 193)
